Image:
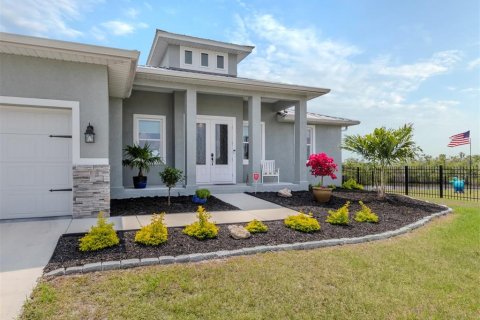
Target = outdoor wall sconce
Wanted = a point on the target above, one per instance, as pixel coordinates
(89, 134)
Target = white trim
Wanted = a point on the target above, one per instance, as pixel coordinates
(65, 104)
(163, 138)
(312, 139)
(262, 124)
(234, 139)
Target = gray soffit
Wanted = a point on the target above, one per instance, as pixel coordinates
(120, 63)
(178, 80)
(163, 39)
(315, 118)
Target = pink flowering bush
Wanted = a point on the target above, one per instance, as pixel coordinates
(321, 165)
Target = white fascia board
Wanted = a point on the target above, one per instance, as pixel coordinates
(331, 122)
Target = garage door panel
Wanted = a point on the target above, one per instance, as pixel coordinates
(35, 120)
(32, 163)
(56, 149)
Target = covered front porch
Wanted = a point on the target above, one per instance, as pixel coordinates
(217, 135)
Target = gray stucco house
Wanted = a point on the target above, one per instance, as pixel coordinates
(187, 102)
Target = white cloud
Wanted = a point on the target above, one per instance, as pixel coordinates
(473, 64)
(121, 28)
(132, 13)
(43, 18)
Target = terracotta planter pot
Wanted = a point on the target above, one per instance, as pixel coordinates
(322, 194)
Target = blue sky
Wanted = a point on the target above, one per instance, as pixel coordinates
(387, 62)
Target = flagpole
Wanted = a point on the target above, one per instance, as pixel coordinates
(470, 182)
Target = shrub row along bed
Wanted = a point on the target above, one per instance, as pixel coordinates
(393, 213)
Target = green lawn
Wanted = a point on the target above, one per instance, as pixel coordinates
(432, 273)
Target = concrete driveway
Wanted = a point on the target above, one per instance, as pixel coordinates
(25, 248)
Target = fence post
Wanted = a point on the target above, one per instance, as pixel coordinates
(406, 180)
(358, 174)
(440, 174)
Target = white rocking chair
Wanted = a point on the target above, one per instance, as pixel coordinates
(269, 170)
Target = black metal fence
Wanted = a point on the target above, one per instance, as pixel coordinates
(433, 181)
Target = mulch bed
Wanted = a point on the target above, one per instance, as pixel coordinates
(150, 205)
(394, 212)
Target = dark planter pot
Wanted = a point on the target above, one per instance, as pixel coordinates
(322, 194)
(140, 182)
(198, 200)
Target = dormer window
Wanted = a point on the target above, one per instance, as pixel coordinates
(204, 59)
(188, 57)
(220, 62)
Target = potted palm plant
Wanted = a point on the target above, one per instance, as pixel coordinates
(321, 165)
(141, 158)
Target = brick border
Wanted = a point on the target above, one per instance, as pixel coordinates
(196, 257)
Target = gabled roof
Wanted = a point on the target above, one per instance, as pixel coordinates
(163, 39)
(238, 83)
(288, 115)
(120, 63)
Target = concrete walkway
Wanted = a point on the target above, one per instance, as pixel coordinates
(251, 208)
(26, 246)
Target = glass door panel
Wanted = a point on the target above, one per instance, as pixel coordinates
(221, 144)
(201, 143)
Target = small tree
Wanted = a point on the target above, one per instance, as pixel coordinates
(321, 165)
(171, 176)
(383, 148)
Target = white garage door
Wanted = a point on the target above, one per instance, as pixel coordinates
(35, 165)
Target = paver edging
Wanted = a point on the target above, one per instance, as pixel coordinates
(197, 257)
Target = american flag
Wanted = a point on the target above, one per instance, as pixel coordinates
(459, 139)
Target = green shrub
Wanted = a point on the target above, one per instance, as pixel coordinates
(302, 222)
(332, 186)
(202, 193)
(365, 214)
(340, 216)
(202, 229)
(153, 234)
(256, 226)
(352, 184)
(100, 236)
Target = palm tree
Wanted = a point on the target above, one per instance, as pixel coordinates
(384, 147)
(141, 158)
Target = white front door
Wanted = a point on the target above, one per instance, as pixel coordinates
(215, 150)
(35, 162)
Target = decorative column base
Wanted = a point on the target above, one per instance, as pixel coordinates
(91, 190)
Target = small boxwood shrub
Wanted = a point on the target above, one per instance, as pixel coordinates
(202, 229)
(100, 236)
(351, 184)
(302, 222)
(256, 226)
(154, 233)
(340, 216)
(203, 193)
(365, 214)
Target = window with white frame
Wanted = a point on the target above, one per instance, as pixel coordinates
(220, 62)
(204, 59)
(310, 140)
(150, 129)
(246, 141)
(188, 57)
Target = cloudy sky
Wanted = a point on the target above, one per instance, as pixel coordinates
(386, 62)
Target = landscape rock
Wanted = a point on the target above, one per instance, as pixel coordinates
(285, 193)
(238, 232)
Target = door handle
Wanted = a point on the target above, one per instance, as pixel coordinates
(211, 157)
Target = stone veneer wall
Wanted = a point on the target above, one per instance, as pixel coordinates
(91, 190)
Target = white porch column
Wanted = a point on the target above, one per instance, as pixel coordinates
(254, 136)
(300, 142)
(190, 137)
